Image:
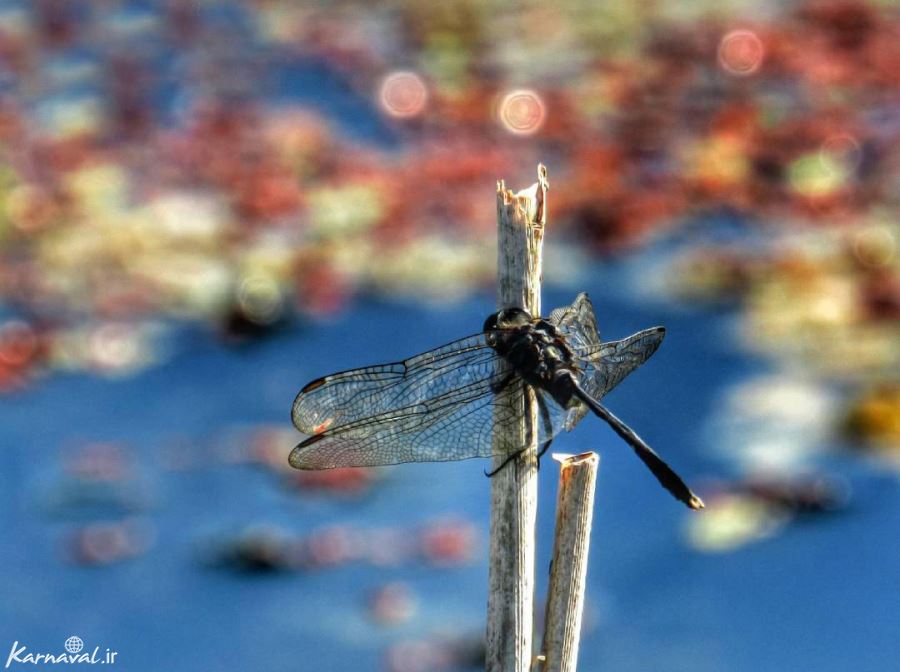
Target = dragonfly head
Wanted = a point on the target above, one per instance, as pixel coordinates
(508, 318)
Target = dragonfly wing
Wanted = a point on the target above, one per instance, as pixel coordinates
(455, 425)
(602, 370)
(602, 365)
(553, 418)
(578, 324)
(350, 397)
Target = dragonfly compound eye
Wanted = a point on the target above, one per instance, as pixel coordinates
(510, 318)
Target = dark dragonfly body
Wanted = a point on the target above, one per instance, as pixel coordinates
(537, 351)
(444, 404)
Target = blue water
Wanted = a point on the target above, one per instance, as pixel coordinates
(820, 596)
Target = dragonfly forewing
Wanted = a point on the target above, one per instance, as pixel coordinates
(349, 397)
(455, 426)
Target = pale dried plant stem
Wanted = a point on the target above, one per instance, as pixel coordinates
(510, 615)
(568, 569)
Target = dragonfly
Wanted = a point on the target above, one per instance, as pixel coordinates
(453, 402)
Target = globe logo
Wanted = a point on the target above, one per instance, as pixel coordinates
(74, 644)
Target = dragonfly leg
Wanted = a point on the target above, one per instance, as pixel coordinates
(548, 423)
(510, 458)
(505, 383)
(497, 388)
(545, 416)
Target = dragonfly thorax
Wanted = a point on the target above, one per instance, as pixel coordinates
(536, 351)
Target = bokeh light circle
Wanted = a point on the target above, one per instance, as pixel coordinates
(18, 343)
(403, 95)
(875, 247)
(843, 147)
(114, 346)
(741, 52)
(521, 112)
(260, 299)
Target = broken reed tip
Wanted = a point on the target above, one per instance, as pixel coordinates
(568, 458)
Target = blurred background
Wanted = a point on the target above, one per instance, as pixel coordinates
(203, 205)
